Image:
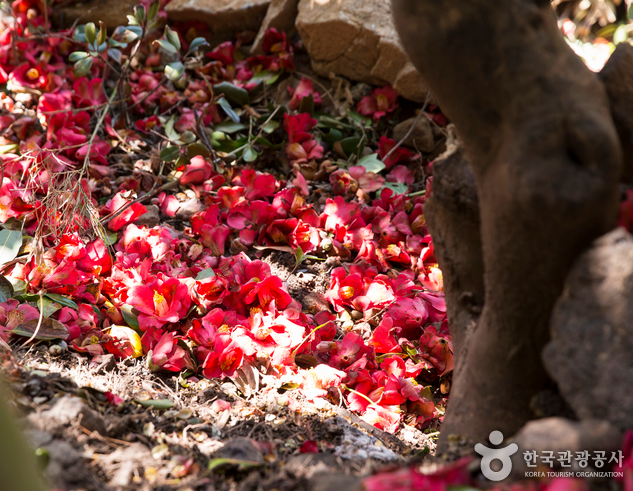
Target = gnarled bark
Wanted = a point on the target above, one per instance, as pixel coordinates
(545, 154)
(617, 76)
(452, 215)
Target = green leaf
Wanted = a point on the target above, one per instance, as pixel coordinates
(233, 93)
(197, 148)
(397, 187)
(90, 32)
(240, 464)
(115, 54)
(299, 256)
(170, 133)
(307, 104)
(270, 126)
(372, 163)
(197, 43)
(157, 403)
(6, 289)
(226, 106)
(333, 136)
(125, 34)
(130, 317)
(19, 286)
(205, 273)
(230, 127)
(140, 13)
(352, 145)
(131, 20)
(359, 118)
(12, 147)
(250, 155)
(265, 76)
(77, 55)
(153, 10)
(169, 154)
(620, 35)
(167, 46)
(110, 238)
(10, 243)
(66, 302)
(174, 71)
(326, 121)
(173, 38)
(47, 307)
(631, 12)
(82, 67)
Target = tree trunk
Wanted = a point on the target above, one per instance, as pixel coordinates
(545, 154)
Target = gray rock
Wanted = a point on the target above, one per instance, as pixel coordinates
(421, 137)
(240, 449)
(220, 15)
(150, 218)
(590, 353)
(281, 15)
(357, 39)
(65, 410)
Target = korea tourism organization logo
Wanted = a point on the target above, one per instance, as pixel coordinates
(545, 463)
(501, 454)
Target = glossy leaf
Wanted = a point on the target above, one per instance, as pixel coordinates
(10, 243)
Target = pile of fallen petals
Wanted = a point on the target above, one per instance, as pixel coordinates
(191, 299)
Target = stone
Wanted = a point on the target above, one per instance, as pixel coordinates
(357, 39)
(220, 15)
(281, 15)
(563, 435)
(421, 137)
(150, 218)
(589, 355)
(65, 410)
(112, 12)
(241, 449)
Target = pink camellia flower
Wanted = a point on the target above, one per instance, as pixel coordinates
(169, 204)
(198, 171)
(12, 314)
(169, 355)
(438, 350)
(213, 234)
(160, 301)
(382, 101)
(26, 75)
(382, 418)
(128, 216)
(304, 89)
(88, 93)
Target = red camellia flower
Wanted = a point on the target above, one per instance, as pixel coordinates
(129, 215)
(301, 145)
(382, 101)
(160, 301)
(169, 355)
(399, 155)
